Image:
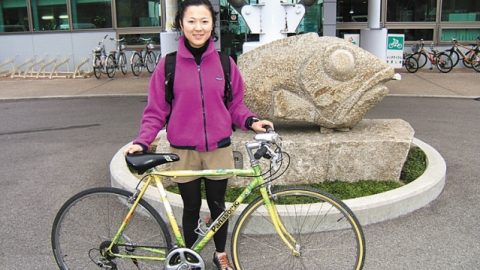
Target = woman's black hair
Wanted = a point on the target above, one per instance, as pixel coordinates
(185, 4)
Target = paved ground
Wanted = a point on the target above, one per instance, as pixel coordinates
(81, 135)
(459, 82)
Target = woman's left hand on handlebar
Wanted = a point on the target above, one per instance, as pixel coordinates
(259, 126)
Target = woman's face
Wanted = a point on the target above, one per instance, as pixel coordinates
(197, 25)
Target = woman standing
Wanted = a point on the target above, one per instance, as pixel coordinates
(200, 123)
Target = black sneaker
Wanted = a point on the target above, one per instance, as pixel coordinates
(222, 262)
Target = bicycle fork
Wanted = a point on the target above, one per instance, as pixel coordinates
(286, 237)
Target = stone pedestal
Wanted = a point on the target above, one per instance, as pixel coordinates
(375, 149)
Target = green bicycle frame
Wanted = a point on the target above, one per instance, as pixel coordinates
(154, 175)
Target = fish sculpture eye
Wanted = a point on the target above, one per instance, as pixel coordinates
(340, 64)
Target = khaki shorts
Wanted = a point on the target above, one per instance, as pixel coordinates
(221, 158)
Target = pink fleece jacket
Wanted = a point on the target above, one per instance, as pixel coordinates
(199, 119)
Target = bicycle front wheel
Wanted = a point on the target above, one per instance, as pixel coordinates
(86, 224)
(150, 60)
(136, 63)
(411, 64)
(97, 67)
(421, 59)
(110, 66)
(323, 230)
(453, 55)
(122, 62)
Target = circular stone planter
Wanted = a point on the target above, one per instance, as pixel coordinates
(368, 209)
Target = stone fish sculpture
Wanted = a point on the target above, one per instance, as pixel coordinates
(324, 81)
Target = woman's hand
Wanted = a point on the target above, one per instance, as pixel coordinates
(258, 126)
(133, 149)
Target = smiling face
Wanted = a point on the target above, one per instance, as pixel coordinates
(197, 25)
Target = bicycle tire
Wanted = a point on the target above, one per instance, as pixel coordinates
(122, 63)
(324, 223)
(444, 62)
(136, 64)
(150, 60)
(453, 55)
(97, 67)
(110, 66)
(90, 219)
(421, 59)
(469, 59)
(476, 62)
(411, 64)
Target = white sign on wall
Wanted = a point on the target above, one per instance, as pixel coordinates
(352, 38)
(395, 45)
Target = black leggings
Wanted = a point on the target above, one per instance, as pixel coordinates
(192, 200)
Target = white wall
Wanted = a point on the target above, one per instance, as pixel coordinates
(76, 46)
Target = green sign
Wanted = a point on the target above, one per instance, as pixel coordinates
(395, 42)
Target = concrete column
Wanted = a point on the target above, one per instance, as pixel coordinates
(374, 14)
(374, 39)
(168, 39)
(330, 18)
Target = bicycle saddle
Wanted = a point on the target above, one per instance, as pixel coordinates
(142, 162)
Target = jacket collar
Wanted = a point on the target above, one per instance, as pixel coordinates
(185, 53)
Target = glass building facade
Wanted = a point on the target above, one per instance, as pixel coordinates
(432, 20)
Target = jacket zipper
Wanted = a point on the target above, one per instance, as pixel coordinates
(203, 108)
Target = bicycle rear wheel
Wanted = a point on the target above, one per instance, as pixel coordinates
(444, 63)
(86, 224)
(327, 233)
(150, 60)
(137, 64)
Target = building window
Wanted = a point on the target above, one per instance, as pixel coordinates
(414, 34)
(460, 34)
(50, 15)
(138, 13)
(352, 10)
(460, 10)
(13, 16)
(411, 11)
(136, 39)
(88, 14)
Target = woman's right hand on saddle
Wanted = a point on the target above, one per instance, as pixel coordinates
(133, 148)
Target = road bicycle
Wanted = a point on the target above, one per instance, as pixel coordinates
(144, 58)
(99, 59)
(117, 59)
(439, 59)
(291, 227)
(470, 59)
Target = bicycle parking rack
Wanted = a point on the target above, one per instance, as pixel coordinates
(41, 72)
(80, 73)
(35, 67)
(7, 72)
(58, 74)
(17, 70)
(30, 69)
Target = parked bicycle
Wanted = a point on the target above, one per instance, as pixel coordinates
(144, 58)
(439, 59)
(99, 59)
(470, 59)
(289, 228)
(117, 59)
